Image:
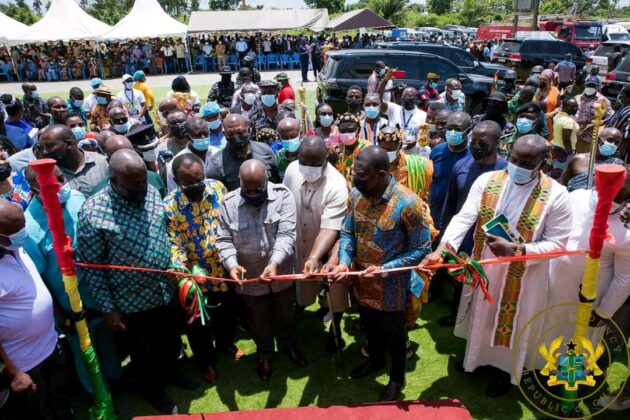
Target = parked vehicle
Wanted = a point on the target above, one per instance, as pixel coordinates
(616, 32)
(527, 53)
(617, 79)
(498, 31)
(600, 57)
(345, 68)
(462, 59)
(579, 32)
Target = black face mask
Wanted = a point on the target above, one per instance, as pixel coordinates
(237, 144)
(409, 103)
(195, 194)
(5, 171)
(255, 200)
(361, 185)
(494, 111)
(353, 103)
(178, 130)
(479, 151)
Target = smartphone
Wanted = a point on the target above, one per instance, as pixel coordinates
(399, 74)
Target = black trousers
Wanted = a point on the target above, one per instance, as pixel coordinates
(153, 341)
(266, 313)
(51, 400)
(304, 66)
(386, 330)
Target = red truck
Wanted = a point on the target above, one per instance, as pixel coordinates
(498, 31)
(581, 33)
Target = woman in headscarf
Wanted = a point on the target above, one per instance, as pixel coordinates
(548, 97)
(187, 99)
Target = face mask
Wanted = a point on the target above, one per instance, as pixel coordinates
(310, 173)
(361, 186)
(589, 91)
(35, 94)
(454, 138)
(178, 130)
(433, 85)
(201, 144)
(195, 194)
(129, 85)
(249, 98)
(519, 175)
(382, 72)
(479, 150)
(64, 193)
(353, 103)
(524, 125)
(77, 103)
(150, 155)
(122, 128)
(392, 155)
(326, 120)
(238, 144)
(607, 149)
(79, 132)
(255, 200)
(348, 138)
(409, 103)
(101, 101)
(18, 239)
(213, 125)
(268, 100)
(291, 145)
(455, 94)
(4, 155)
(371, 112)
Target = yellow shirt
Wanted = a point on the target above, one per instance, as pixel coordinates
(147, 92)
(561, 122)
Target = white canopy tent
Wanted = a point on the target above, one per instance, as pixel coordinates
(10, 28)
(64, 20)
(146, 19)
(258, 20)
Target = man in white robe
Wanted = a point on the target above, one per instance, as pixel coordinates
(477, 318)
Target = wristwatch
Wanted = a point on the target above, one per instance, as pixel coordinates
(519, 250)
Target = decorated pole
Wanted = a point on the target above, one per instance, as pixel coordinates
(49, 187)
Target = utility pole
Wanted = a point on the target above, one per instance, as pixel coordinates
(515, 18)
(535, 6)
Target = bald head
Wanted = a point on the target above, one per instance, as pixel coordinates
(11, 221)
(115, 143)
(234, 120)
(312, 151)
(529, 152)
(128, 175)
(611, 135)
(101, 138)
(253, 170)
(375, 157)
(288, 128)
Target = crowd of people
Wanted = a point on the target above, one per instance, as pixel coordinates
(250, 185)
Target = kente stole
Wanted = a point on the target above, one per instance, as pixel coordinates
(527, 223)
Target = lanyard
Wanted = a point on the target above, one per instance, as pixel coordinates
(365, 132)
(130, 99)
(406, 122)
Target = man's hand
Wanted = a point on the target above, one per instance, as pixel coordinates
(269, 271)
(500, 247)
(625, 214)
(389, 74)
(339, 273)
(64, 321)
(312, 265)
(596, 320)
(172, 277)
(370, 273)
(236, 273)
(435, 257)
(115, 322)
(21, 383)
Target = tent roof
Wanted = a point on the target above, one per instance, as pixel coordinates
(258, 20)
(361, 18)
(10, 28)
(64, 20)
(146, 19)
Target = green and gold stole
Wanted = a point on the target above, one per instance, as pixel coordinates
(527, 223)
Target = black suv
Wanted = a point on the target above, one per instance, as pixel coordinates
(461, 58)
(353, 67)
(527, 53)
(617, 79)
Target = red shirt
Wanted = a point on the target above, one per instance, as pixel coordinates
(286, 92)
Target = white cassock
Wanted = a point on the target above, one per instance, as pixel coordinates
(480, 319)
(566, 273)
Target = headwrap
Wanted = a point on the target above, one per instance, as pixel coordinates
(348, 117)
(210, 108)
(547, 74)
(397, 136)
(266, 135)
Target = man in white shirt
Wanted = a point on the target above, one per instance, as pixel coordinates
(180, 53)
(241, 47)
(28, 340)
(132, 99)
(168, 51)
(266, 44)
(321, 197)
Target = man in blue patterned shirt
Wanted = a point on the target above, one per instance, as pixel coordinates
(384, 228)
(123, 224)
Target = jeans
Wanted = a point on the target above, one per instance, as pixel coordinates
(386, 330)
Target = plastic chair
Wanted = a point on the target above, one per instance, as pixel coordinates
(199, 63)
(273, 60)
(295, 60)
(285, 61)
(233, 61)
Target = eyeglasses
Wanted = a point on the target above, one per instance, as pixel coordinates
(193, 187)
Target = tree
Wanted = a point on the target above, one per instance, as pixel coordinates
(224, 4)
(333, 6)
(37, 6)
(392, 10)
(20, 12)
(439, 7)
(194, 5)
(472, 13)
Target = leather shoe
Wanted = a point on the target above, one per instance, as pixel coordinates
(448, 321)
(366, 369)
(391, 391)
(210, 375)
(264, 369)
(296, 357)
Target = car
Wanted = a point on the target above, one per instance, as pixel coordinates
(462, 59)
(527, 53)
(345, 68)
(600, 56)
(617, 79)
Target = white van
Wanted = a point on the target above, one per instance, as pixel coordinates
(616, 32)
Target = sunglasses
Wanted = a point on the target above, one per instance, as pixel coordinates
(120, 120)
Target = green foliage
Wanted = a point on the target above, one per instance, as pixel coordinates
(473, 12)
(392, 10)
(110, 11)
(333, 6)
(224, 4)
(20, 12)
(439, 7)
(361, 4)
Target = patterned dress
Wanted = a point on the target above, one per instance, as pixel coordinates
(345, 162)
(19, 192)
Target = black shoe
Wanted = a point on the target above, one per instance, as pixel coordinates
(391, 392)
(296, 357)
(184, 382)
(264, 369)
(366, 369)
(498, 387)
(331, 345)
(163, 403)
(448, 321)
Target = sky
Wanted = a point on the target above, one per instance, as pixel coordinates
(294, 4)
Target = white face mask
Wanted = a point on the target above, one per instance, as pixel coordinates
(392, 155)
(310, 173)
(150, 155)
(590, 91)
(249, 98)
(456, 93)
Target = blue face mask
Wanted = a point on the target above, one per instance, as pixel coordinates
(607, 149)
(268, 100)
(129, 85)
(524, 125)
(201, 144)
(64, 193)
(454, 138)
(122, 128)
(291, 145)
(326, 120)
(519, 175)
(372, 112)
(213, 125)
(77, 103)
(101, 101)
(79, 132)
(433, 85)
(18, 239)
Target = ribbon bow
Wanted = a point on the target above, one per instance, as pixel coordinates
(192, 298)
(471, 273)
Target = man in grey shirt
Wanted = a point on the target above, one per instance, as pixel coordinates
(225, 166)
(256, 238)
